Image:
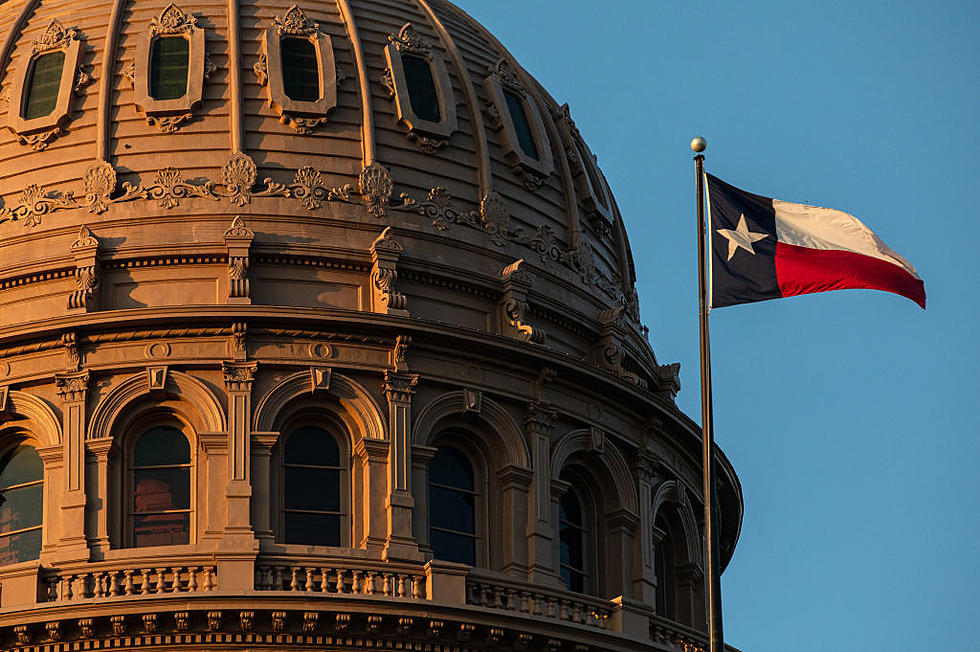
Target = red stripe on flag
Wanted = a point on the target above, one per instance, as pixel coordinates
(801, 270)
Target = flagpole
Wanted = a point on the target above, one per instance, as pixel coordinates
(712, 553)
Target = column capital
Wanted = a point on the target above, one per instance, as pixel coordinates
(239, 375)
(540, 417)
(103, 448)
(72, 386)
(373, 450)
(399, 387)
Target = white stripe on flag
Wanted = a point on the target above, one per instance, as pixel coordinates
(814, 227)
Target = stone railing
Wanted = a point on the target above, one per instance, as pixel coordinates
(676, 637)
(342, 577)
(107, 581)
(493, 593)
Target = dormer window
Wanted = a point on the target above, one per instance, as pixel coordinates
(522, 126)
(513, 113)
(169, 70)
(43, 86)
(418, 81)
(169, 58)
(43, 83)
(297, 68)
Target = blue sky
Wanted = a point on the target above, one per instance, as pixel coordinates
(849, 415)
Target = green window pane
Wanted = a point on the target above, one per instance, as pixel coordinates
(421, 87)
(169, 58)
(300, 72)
(525, 137)
(24, 546)
(43, 82)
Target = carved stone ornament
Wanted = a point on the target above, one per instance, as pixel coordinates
(239, 174)
(41, 131)
(85, 250)
(4, 393)
(428, 135)
(385, 252)
(593, 190)
(301, 115)
(376, 187)
(513, 304)
(169, 115)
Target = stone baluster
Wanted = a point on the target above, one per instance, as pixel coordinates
(192, 578)
(308, 586)
(341, 583)
(209, 580)
(369, 584)
(161, 579)
(324, 580)
(386, 579)
(128, 582)
(293, 583)
(355, 582)
(114, 583)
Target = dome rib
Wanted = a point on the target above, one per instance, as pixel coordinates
(571, 199)
(11, 39)
(235, 77)
(103, 124)
(367, 114)
(466, 81)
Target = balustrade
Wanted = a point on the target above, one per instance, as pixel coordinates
(373, 581)
(542, 603)
(113, 582)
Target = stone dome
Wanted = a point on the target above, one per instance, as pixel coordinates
(238, 220)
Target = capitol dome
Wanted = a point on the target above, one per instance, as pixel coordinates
(318, 328)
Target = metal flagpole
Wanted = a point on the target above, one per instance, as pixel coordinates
(712, 553)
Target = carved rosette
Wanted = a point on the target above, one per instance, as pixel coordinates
(172, 21)
(495, 218)
(409, 40)
(239, 174)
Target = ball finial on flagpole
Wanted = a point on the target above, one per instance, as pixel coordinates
(699, 144)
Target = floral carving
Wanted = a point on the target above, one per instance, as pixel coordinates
(308, 188)
(40, 141)
(302, 124)
(376, 187)
(172, 21)
(295, 23)
(82, 79)
(239, 229)
(439, 203)
(261, 70)
(55, 37)
(502, 73)
(388, 82)
(239, 174)
(35, 202)
(408, 39)
(100, 183)
(495, 218)
(169, 188)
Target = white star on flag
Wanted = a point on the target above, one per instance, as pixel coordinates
(741, 237)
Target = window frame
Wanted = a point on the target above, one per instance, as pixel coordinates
(10, 443)
(136, 430)
(452, 439)
(534, 171)
(331, 427)
(39, 132)
(428, 134)
(169, 114)
(301, 115)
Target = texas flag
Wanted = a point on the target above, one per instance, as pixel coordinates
(763, 248)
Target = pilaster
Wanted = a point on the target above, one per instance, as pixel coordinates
(373, 454)
(400, 543)
(238, 534)
(539, 422)
(101, 452)
(73, 389)
(644, 576)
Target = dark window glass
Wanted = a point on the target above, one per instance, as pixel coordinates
(300, 69)
(571, 536)
(663, 560)
(525, 137)
(43, 83)
(421, 87)
(312, 505)
(161, 488)
(169, 58)
(452, 507)
(21, 496)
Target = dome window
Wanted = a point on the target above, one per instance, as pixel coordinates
(452, 507)
(593, 191)
(43, 82)
(418, 81)
(314, 480)
(298, 70)
(170, 69)
(514, 114)
(43, 86)
(21, 500)
(160, 477)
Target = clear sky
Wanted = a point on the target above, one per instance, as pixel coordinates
(850, 416)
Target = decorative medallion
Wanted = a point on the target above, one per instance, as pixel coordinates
(55, 37)
(376, 187)
(408, 39)
(172, 21)
(239, 176)
(295, 23)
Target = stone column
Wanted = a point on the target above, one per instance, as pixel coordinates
(212, 486)
(373, 502)
(400, 543)
(52, 459)
(262, 509)
(619, 531)
(238, 382)
(515, 481)
(539, 422)
(73, 388)
(100, 452)
(421, 456)
(644, 576)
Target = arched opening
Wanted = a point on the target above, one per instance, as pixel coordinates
(453, 499)
(160, 477)
(573, 533)
(314, 488)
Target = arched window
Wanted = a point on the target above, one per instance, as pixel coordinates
(518, 115)
(43, 83)
(21, 498)
(160, 512)
(571, 540)
(452, 507)
(664, 564)
(300, 72)
(169, 62)
(313, 489)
